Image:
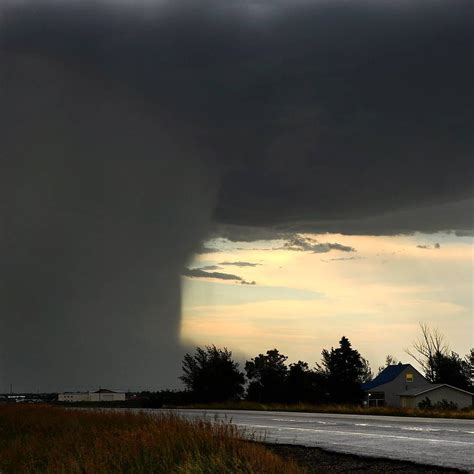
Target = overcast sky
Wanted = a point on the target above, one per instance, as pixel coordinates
(133, 134)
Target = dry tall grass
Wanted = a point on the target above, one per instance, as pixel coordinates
(42, 439)
(342, 409)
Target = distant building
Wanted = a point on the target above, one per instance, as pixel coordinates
(385, 389)
(436, 393)
(401, 385)
(102, 395)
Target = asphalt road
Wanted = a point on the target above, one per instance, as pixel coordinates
(440, 442)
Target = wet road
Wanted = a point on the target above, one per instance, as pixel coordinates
(440, 442)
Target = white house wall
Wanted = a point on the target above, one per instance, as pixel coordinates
(461, 399)
(91, 397)
(398, 385)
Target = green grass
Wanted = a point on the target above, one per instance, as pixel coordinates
(45, 439)
(342, 409)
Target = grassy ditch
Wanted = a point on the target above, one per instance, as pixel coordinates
(467, 414)
(44, 439)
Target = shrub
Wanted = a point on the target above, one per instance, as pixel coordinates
(425, 404)
(445, 405)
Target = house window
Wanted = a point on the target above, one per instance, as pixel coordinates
(376, 399)
(409, 377)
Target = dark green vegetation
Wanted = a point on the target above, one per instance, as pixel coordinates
(210, 375)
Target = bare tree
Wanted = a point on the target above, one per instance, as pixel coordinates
(427, 349)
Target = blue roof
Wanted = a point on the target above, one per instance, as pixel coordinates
(387, 375)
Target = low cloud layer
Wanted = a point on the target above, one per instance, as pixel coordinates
(307, 244)
(202, 273)
(240, 264)
(343, 259)
(428, 247)
(205, 250)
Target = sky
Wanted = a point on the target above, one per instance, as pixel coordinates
(134, 134)
(304, 301)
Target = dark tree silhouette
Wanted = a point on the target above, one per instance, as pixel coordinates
(304, 385)
(469, 368)
(439, 363)
(267, 376)
(389, 360)
(345, 370)
(211, 375)
(430, 344)
(451, 369)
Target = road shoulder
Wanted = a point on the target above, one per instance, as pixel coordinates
(319, 460)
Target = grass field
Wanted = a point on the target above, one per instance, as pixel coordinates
(44, 439)
(343, 409)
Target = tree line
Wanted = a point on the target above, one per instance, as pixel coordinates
(211, 375)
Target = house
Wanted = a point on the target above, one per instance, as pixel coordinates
(401, 385)
(101, 395)
(386, 388)
(436, 393)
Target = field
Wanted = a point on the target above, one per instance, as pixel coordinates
(342, 409)
(44, 439)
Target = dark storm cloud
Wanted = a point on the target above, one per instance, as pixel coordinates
(307, 244)
(204, 250)
(201, 273)
(428, 219)
(428, 247)
(124, 130)
(238, 233)
(240, 264)
(323, 111)
(464, 233)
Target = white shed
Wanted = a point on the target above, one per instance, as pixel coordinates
(436, 393)
(102, 395)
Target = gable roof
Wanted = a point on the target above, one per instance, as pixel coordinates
(390, 373)
(104, 390)
(428, 388)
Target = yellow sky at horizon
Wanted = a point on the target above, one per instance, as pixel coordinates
(376, 299)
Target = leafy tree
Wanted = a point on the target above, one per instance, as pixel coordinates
(345, 370)
(267, 376)
(211, 375)
(304, 385)
(451, 369)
